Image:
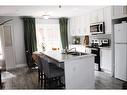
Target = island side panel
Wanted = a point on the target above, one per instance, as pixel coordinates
(79, 73)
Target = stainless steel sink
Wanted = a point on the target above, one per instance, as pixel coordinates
(77, 53)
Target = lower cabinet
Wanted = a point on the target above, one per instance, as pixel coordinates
(105, 60)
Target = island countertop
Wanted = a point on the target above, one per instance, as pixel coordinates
(78, 70)
(60, 57)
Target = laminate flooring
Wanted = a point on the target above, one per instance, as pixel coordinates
(26, 79)
(106, 81)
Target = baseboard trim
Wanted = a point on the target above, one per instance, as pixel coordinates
(17, 66)
(21, 65)
(106, 71)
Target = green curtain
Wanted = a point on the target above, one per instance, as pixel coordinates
(29, 38)
(63, 32)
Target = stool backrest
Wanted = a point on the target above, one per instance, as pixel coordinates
(39, 63)
(45, 64)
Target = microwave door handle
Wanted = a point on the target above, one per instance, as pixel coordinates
(99, 28)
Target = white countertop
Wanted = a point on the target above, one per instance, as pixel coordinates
(59, 57)
(105, 48)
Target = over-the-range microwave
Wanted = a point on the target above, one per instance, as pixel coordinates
(97, 28)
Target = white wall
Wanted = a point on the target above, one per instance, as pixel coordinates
(17, 39)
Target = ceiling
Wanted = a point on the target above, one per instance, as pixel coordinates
(53, 11)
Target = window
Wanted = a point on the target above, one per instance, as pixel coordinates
(48, 34)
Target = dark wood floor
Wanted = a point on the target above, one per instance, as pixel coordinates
(106, 81)
(26, 79)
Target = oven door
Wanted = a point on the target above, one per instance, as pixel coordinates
(97, 57)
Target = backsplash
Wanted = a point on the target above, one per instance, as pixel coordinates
(99, 36)
(81, 39)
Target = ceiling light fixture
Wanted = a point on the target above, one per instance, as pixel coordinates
(46, 16)
(60, 6)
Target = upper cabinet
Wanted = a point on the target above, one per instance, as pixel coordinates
(79, 25)
(119, 12)
(107, 20)
(72, 26)
(102, 15)
(96, 16)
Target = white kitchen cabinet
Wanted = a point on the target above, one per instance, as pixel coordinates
(96, 16)
(107, 20)
(79, 25)
(100, 15)
(119, 12)
(93, 17)
(72, 26)
(105, 59)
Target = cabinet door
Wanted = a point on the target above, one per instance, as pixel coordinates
(87, 24)
(82, 25)
(93, 17)
(106, 60)
(72, 26)
(124, 10)
(79, 25)
(117, 10)
(76, 25)
(121, 61)
(100, 15)
(96, 16)
(107, 20)
(120, 31)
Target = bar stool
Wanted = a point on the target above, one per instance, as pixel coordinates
(51, 72)
(40, 70)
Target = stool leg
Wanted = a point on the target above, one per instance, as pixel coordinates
(0, 80)
(38, 76)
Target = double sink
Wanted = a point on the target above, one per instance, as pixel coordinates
(77, 53)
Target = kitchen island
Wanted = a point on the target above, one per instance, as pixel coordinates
(79, 70)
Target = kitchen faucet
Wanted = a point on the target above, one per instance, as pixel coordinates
(66, 51)
(72, 49)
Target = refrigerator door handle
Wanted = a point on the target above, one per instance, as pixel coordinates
(120, 43)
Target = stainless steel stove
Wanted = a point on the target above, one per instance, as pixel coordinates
(95, 45)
